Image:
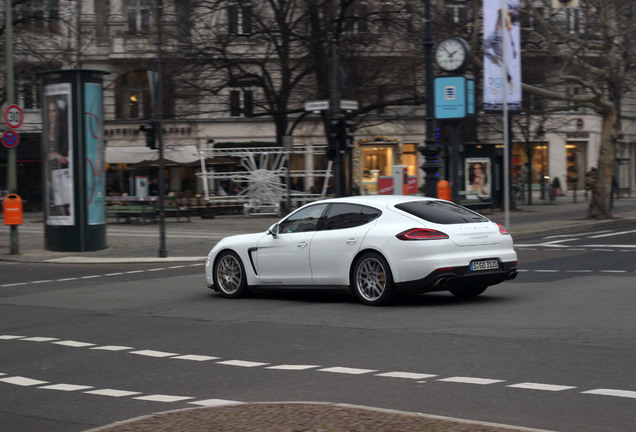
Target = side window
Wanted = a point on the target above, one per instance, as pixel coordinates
(303, 220)
(348, 216)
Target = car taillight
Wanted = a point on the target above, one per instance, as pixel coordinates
(502, 229)
(421, 234)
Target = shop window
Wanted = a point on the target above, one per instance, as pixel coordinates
(537, 167)
(139, 15)
(576, 165)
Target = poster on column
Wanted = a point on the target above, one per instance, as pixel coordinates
(57, 143)
(94, 138)
(502, 73)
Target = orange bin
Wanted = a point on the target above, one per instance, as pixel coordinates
(12, 205)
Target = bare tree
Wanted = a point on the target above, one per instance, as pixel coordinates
(594, 50)
(278, 52)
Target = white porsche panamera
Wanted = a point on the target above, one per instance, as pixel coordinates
(375, 246)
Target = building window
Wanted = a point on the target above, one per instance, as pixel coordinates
(139, 14)
(575, 23)
(39, 14)
(240, 18)
(241, 102)
(132, 96)
(28, 94)
(574, 90)
(356, 19)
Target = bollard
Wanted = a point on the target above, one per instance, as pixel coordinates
(444, 190)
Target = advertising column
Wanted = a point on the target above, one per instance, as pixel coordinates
(73, 161)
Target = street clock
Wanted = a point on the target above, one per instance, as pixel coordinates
(452, 54)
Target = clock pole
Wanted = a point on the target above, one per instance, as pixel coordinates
(430, 150)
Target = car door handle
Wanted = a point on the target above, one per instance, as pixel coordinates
(352, 241)
(302, 244)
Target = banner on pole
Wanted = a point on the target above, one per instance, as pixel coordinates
(502, 63)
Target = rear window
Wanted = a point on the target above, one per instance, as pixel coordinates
(441, 212)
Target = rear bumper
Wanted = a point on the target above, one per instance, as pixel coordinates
(456, 277)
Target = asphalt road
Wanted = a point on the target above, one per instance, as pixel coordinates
(87, 345)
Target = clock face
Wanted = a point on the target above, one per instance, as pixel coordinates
(451, 54)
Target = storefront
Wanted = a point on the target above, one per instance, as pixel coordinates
(373, 164)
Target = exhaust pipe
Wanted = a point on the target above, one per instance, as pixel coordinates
(444, 282)
(512, 274)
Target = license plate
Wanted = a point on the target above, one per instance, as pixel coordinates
(484, 265)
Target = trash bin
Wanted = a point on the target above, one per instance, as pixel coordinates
(12, 205)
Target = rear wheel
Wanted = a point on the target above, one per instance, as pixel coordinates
(372, 280)
(468, 292)
(229, 275)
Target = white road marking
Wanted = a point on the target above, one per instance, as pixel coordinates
(91, 277)
(407, 375)
(66, 279)
(40, 339)
(42, 281)
(112, 392)
(15, 284)
(471, 380)
(215, 402)
(346, 370)
(66, 387)
(612, 392)
(195, 357)
(242, 363)
(112, 348)
(22, 381)
(114, 274)
(292, 367)
(152, 353)
(163, 398)
(75, 344)
(613, 234)
(537, 386)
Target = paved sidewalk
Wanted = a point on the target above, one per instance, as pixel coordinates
(190, 241)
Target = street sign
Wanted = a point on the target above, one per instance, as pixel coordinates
(10, 139)
(348, 105)
(317, 105)
(13, 116)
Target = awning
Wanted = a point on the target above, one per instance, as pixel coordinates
(131, 155)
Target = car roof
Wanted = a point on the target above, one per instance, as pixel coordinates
(378, 200)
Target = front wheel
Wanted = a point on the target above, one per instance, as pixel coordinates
(468, 292)
(229, 275)
(372, 280)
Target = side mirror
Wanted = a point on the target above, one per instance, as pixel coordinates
(274, 229)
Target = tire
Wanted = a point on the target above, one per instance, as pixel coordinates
(372, 281)
(229, 275)
(468, 292)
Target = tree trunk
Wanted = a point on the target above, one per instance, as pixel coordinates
(600, 203)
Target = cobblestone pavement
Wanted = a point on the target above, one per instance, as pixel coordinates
(299, 417)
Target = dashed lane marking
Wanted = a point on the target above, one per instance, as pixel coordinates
(417, 377)
(242, 363)
(471, 380)
(537, 386)
(347, 370)
(612, 392)
(95, 276)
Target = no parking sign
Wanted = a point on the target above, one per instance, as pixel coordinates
(10, 139)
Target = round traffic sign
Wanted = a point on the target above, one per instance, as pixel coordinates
(13, 116)
(10, 139)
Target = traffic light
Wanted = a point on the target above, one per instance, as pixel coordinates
(345, 135)
(332, 138)
(149, 130)
(349, 128)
